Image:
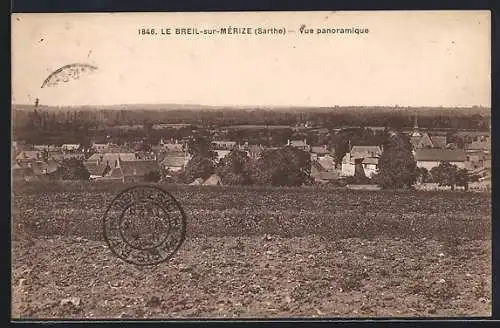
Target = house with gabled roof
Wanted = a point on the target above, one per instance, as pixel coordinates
(135, 171)
(365, 156)
(481, 145)
(322, 174)
(422, 140)
(174, 161)
(300, 144)
(439, 142)
(429, 158)
(365, 151)
(224, 144)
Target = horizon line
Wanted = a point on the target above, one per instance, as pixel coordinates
(257, 105)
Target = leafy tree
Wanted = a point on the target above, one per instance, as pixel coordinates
(201, 146)
(286, 166)
(152, 176)
(72, 169)
(233, 169)
(198, 167)
(397, 167)
(423, 175)
(445, 174)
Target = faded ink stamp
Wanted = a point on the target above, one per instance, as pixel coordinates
(144, 225)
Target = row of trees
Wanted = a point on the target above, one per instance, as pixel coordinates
(326, 117)
(398, 169)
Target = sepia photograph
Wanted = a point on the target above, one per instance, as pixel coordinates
(242, 165)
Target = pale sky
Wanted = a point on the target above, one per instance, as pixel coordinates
(406, 59)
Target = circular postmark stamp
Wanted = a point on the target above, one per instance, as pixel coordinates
(144, 225)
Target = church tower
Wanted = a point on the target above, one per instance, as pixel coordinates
(416, 132)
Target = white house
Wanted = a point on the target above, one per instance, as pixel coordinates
(70, 147)
(366, 156)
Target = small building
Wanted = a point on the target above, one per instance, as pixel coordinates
(365, 156)
(439, 142)
(480, 145)
(253, 151)
(221, 154)
(172, 146)
(321, 174)
(370, 166)
(327, 162)
(135, 171)
(174, 161)
(70, 147)
(100, 147)
(224, 145)
(26, 156)
(430, 158)
(300, 144)
(421, 140)
(365, 151)
(213, 180)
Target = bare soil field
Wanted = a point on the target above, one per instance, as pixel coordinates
(250, 252)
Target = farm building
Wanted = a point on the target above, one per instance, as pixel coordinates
(439, 142)
(224, 145)
(172, 146)
(327, 162)
(100, 164)
(420, 141)
(322, 174)
(70, 147)
(320, 150)
(429, 158)
(300, 144)
(174, 161)
(482, 145)
(213, 180)
(26, 156)
(365, 151)
(366, 156)
(135, 171)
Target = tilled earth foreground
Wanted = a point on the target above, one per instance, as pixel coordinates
(258, 276)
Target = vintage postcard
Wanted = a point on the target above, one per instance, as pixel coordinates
(251, 165)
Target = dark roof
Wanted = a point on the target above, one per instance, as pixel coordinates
(174, 161)
(439, 141)
(317, 166)
(319, 149)
(333, 175)
(484, 145)
(44, 167)
(446, 155)
(327, 162)
(139, 168)
(112, 157)
(298, 143)
(365, 151)
(370, 160)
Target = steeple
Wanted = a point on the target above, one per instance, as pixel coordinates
(416, 132)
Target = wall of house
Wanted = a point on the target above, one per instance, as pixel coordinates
(348, 169)
(370, 169)
(431, 164)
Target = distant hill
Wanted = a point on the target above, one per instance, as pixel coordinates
(421, 111)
